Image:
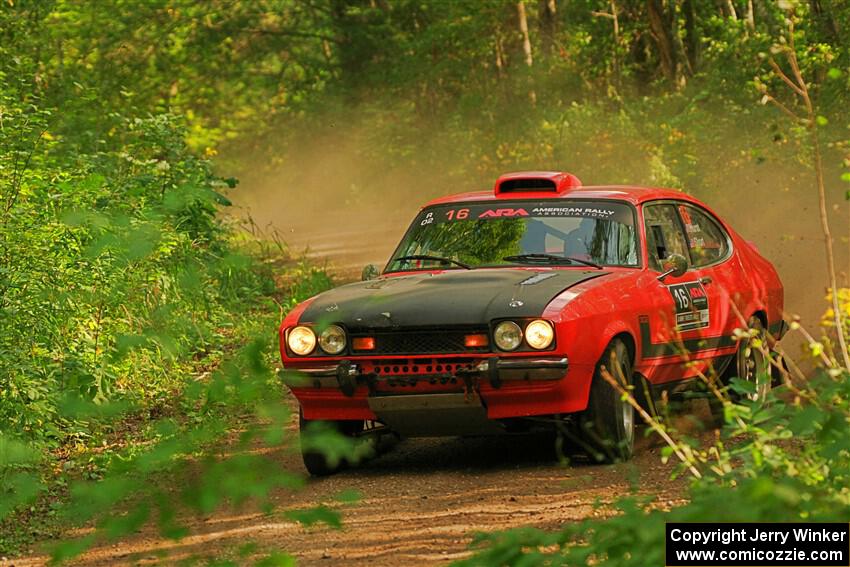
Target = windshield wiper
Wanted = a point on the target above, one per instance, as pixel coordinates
(434, 258)
(549, 259)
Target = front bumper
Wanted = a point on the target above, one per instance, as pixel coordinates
(507, 386)
(346, 374)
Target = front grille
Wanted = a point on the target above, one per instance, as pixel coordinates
(389, 367)
(428, 341)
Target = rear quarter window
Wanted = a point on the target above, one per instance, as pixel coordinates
(707, 241)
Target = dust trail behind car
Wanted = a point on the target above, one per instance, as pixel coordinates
(330, 197)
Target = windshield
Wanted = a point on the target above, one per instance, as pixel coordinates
(485, 234)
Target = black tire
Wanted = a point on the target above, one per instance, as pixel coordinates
(316, 463)
(608, 424)
(750, 364)
(715, 407)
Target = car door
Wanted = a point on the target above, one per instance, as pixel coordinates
(678, 318)
(710, 250)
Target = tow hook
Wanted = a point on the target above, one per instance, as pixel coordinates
(470, 385)
(490, 368)
(493, 372)
(346, 377)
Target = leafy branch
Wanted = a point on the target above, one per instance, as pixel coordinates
(811, 121)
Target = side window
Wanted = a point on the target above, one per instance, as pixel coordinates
(707, 241)
(663, 234)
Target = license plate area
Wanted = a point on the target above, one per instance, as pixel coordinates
(434, 415)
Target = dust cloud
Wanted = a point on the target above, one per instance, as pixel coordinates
(331, 199)
(336, 202)
(775, 206)
(317, 204)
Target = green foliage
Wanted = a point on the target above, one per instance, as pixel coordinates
(186, 453)
(781, 460)
(108, 260)
(142, 57)
(121, 289)
(236, 70)
(120, 283)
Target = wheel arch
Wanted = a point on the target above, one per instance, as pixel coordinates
(631, 344)
(642, 388)
(762, 315)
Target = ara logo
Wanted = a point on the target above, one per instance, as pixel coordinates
(697, 292)
(490, 213)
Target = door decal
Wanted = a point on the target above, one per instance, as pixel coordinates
(691, 303)
(650, 349)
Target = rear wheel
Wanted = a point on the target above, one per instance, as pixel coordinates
(751, 365)
(316, 462)
(752, 362)
(608, 423)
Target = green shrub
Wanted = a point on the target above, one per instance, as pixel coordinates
(783, 459)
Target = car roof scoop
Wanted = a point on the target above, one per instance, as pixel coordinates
(536, 182)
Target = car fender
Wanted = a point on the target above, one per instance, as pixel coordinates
(619, 327)
(587, 317)
(591, 314)
(769, 294)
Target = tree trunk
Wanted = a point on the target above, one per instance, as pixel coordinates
(523, 28)
(618, 74)
(500, 58)
(751, 16)
(680, 54)
(692, 44)
(548, 23)
(727, 9)
(662, 35)
(824, 18)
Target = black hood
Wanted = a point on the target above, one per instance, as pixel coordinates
(455, 297)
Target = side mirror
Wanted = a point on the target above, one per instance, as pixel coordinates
(674, 265)
(370, 272)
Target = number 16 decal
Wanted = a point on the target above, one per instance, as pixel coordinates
(691, 304)
(683, 301)
(458, 214)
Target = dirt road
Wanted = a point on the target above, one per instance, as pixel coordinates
(420, 504)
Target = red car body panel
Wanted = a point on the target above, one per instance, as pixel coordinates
(628, 302)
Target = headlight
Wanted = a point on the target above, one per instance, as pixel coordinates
(539, 334)
(507, 335)
(332, 339)
(302, 340)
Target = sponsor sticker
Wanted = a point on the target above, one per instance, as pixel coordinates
(592, 212)
(493, 213)
(691, 303)
(518, 210)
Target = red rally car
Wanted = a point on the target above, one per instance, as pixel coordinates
(500, 308)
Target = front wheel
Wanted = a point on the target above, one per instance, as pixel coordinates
(324, 463)
(608, 423)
